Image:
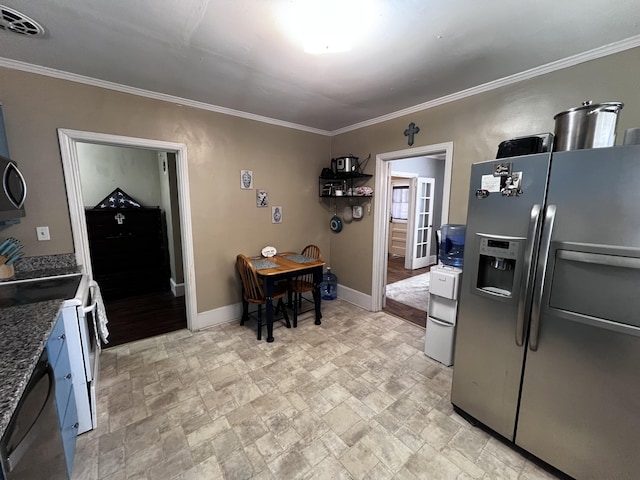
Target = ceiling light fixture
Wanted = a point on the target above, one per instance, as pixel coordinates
(326, 26)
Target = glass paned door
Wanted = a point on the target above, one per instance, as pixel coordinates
(420, 223)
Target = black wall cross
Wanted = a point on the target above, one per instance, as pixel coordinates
(411, 131)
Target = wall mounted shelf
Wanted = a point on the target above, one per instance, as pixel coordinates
(342, 185)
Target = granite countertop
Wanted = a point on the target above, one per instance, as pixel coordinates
(44, 266)
(43, 273)
(24, 330)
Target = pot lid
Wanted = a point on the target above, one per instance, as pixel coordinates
(612, 107)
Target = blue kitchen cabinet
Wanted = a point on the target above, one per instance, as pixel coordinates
(65, 400)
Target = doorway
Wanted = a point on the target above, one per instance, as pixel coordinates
(69, 141)
(407, 307)
(411, 250)
(384, 168)
(399, 215)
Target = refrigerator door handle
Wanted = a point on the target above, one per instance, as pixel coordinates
(545, 243)
(525, 293)
(600, 259)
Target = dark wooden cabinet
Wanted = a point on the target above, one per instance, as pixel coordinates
(128, 251)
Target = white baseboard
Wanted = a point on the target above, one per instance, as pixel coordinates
(218, 316)
(356, 297)
(232, 313)
(176, 288)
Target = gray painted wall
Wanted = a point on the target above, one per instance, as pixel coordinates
(103, 168)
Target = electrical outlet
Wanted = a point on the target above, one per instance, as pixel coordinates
(43, 233)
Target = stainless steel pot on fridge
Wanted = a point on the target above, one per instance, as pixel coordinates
(588, 126)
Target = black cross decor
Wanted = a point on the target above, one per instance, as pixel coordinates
(411, 131)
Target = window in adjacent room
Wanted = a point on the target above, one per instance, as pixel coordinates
(400, 203)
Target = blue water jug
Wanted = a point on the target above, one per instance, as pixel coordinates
(451, 251)
(329, 286)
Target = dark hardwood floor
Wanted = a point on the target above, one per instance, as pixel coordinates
(143, 316)
(395, 273)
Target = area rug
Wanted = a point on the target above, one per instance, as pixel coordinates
(412, 291)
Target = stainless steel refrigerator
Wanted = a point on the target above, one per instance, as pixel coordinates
(547, 349)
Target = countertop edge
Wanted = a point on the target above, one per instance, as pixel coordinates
(24, 331)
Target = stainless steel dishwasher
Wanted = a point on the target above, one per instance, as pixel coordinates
(31, 448)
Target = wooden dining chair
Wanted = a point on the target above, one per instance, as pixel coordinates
(253, 293)
(303, 283)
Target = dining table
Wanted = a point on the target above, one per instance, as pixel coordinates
(282, 267)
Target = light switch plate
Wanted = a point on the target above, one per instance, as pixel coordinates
(43, 233)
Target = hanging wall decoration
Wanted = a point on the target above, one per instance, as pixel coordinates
(410, 132)
(246, 179)
(276, 215)
(262, 198)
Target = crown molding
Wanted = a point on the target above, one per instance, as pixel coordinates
(72, 77)
(594, 54)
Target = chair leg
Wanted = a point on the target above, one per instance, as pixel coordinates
(259, 322)
(284, 313)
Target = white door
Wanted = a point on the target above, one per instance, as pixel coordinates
(420, 223)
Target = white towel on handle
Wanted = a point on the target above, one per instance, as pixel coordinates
(99, 314)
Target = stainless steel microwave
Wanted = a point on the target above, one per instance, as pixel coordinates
(14, 190)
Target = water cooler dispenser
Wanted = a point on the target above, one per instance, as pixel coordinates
(451, 246)
(498, 265)
(444, 289)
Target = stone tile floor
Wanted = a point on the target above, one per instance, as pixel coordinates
(354, 398)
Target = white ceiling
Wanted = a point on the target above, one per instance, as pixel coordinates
(232, 54)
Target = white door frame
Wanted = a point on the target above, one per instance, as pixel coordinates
(68, 148)
(381, 203)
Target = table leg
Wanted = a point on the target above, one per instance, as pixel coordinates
(267, 285)
(317, 298)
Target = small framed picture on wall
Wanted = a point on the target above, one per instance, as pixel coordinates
(262, 198)
(276, 215)
(246, 179)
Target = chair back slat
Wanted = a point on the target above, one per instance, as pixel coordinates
(251, 285)
(311, 251)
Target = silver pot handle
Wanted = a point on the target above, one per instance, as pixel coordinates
(606, 108)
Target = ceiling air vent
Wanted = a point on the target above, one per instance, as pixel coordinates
(17, 22)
